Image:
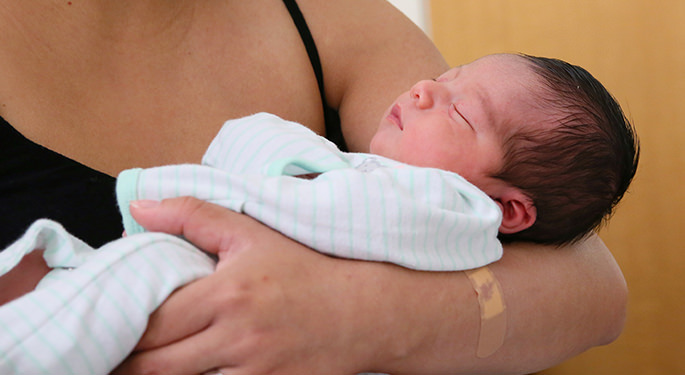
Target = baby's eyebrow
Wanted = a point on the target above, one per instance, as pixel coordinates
(454, 72)
(486, 103)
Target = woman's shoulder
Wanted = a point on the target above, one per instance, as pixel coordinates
(396, 53)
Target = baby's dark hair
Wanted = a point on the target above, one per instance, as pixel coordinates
(578, 170)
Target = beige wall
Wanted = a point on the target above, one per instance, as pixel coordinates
(637, 49)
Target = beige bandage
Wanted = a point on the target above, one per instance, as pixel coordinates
(493, 317)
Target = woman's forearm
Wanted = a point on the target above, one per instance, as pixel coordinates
(274, 304)
(560, 302)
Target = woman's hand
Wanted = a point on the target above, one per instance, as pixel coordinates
(262, 311)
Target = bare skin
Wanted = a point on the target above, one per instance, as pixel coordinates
(23, 278)
(211, 78)
(151, 82)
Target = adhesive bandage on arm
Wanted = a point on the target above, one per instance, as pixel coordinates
(493, 317)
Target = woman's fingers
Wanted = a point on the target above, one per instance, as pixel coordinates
(196, 354)
(181, 315)
(210, 227)
(268, 307)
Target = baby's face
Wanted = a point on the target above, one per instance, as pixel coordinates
(458, 122)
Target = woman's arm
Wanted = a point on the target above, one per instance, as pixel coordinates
(560, 302)
(274, 305)
(370, 53)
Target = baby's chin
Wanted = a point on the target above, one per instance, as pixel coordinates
(377, 148)
(373, 145)
(382, 139)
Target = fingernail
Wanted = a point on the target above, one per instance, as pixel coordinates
(144, 203)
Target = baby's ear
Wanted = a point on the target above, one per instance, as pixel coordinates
(518, 211)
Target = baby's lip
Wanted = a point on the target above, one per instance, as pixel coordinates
(395, 116)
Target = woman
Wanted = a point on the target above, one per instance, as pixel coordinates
(137, 83)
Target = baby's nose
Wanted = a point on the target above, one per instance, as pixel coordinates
(424, 93)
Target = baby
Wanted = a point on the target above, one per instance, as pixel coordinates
(544, 141)
(514, 146)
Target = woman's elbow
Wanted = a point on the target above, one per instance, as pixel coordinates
(617, 305)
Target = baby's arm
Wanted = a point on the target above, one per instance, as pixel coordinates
(416, 217)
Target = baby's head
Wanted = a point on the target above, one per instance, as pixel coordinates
(543, 138)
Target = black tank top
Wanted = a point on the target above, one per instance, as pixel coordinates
(38, 183)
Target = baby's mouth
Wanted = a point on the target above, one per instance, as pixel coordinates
(396, 116)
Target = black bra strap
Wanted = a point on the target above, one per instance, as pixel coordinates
(333, 129)
(308, 41)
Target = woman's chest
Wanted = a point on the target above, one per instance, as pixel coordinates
(143, 107)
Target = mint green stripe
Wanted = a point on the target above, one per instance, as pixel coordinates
(350, 219)
(400, 219)
(412, 191)
(332, 221)
(384, 221)
(93, 339)
(45, 340)
(18, 341)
